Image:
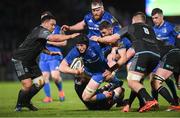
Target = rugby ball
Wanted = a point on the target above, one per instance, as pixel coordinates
(77, 63)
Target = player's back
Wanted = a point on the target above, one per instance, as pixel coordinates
(32, 45)
(143, 38)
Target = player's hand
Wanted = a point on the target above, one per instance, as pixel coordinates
(65, 28)
(80, 71)
(106, 73)
(55, 53)
(74, 35)
(94, 38)
(108, 94)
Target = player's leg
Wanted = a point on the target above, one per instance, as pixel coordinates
(55, 74)
(45, 69)
(25, 74)
(92, 86)
(172, 88)
(159, 78)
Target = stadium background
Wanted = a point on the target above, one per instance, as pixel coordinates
(18, 17)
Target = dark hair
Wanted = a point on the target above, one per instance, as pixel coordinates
(104, 24)
(140, 14)
(82, 39)
(47, 15)
(156, 11)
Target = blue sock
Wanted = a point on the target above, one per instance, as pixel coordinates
(59, 85)
(100, 96)
(47, 89)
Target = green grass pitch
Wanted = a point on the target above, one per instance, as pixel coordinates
(72, 106)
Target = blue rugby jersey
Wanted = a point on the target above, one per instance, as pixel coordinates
(94, 61)
(93, 25)
(166, 32)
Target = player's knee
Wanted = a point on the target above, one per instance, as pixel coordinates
(56, 78)
(157, 81)
(39, 81)
(85, 98)
(88, 93)
(26, 84)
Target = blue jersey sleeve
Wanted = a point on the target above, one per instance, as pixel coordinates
(72, 55)
(174, 32)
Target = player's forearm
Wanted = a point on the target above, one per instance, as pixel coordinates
(59, 37)
(78, 26)
(63, 43)
(63, 67)
(109, 39)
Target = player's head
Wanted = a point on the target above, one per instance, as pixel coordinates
(139, 17)
(157, 16)
(82, 43)
(106, 28)
(97, 9)
(48, 21)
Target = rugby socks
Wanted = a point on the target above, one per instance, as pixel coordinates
(165, 93)
(47, 89)
(33, 91)
(154, 94)
(144, 95)
(172, 87)
(21, 98)
(132, 96)
(59, 85)
(100, 96)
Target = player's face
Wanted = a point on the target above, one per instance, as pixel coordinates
(51, 25)
(106, 31)
(157, 19)
(81, 47)
(97, 13)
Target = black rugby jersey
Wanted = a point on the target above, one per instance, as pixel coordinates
(142, 37)
(32, 46)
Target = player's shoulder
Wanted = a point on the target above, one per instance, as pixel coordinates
(107, 15)
(88, 15)
(168, 24)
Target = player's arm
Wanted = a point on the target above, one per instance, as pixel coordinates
(63, 43)
(78, 26)
(50, 52)
(61, 37)
(65, 68)
(123, 57)
(107, 39)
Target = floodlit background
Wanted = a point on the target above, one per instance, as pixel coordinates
(19, 17)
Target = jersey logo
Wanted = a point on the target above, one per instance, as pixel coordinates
(146, 31)
(90, 21)
(164, 30)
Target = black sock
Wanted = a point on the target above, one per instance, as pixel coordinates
(154, 94)
(21, 97)
(172, 87)
(132, 96)
(144, 95)
(141, 101)
(165, 93)
(33, 91)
